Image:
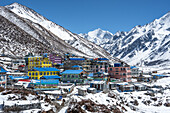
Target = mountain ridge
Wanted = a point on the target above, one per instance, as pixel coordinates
(49, 36)
(149, 43)
(71, 38)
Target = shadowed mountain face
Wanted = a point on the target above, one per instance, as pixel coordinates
(149, 44)
(23, 30)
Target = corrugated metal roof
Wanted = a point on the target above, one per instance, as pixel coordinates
(19, 77)
(72, 72)
(38, 82)
(132, 67)
(51, 77)
(2, 70)
(46, 69)
(91, 75)
(76, 66)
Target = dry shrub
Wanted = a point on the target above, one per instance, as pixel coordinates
(2, 89)
(135, 103)
(167, 104)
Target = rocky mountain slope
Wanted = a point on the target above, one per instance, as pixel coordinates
(149, 44)
(51, 35)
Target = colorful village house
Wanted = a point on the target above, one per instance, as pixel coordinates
(87, 65)
(55, 58)
(37, 73)
(73, 61)
(39, 61)
(100, 65)
(2, 76)
(120, 72)
(46, 83)
(73, 76)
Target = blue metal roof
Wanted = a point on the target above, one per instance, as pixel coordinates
(47, 82)
(45, 55)
(2, 70)
(90, 75)
(46, 69)
(77, 58)
(72, 72)
(20, 77)
(132, 67)
(61, 64)
(103, 59)
(161, 75)
(51, 77)
(76, 66)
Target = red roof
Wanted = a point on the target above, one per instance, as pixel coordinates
(21, 66)
(25, 80)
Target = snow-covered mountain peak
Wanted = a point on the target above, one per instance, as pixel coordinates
(149, 43)
(58, 38)
(30, 14)
(99, 33)
(23, 11)
(98, 36)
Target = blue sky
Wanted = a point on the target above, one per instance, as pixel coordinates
(82, 16)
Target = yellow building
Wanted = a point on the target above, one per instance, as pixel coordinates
(37, 73)
(38, 61)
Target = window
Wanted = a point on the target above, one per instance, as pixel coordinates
(64, 76)
(30, 73)
(44, 62)
(44, 73)
(54, 73)
(124, 74)
(36, 77)
(33, 73)
(101, 66)
(117, 73)
(72, 76)
(68, 76)
(32, 77)
(47, 73)
(110, 69)
(40, 73)
(97, 66)
(77, 76)
(36, 73)
(51, 73)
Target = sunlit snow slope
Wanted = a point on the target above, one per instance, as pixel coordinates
(81, 44)
(149, 44)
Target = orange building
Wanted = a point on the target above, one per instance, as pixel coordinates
(122, 73)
